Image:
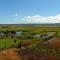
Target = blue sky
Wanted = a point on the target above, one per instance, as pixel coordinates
(29, 11)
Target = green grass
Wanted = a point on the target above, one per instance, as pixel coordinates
(30, 28)
(6, 43)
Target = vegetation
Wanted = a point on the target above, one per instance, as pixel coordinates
(26, 39)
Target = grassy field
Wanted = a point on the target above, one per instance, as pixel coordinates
(8, 43)
(30, 30)
(28, 42)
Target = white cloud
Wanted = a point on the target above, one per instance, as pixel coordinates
(42, 19)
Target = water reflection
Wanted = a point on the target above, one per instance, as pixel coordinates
(2, 33)
(18, 33)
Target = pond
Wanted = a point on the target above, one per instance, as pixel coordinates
(48, 35)
(18, 33)
(2, 33)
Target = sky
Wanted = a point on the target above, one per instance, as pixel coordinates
(29, 11)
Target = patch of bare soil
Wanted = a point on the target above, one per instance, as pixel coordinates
(25, 54)
(28, 54)
(9, 54)
(55, 43)
(53, 58)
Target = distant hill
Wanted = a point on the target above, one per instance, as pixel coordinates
(55, 24)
